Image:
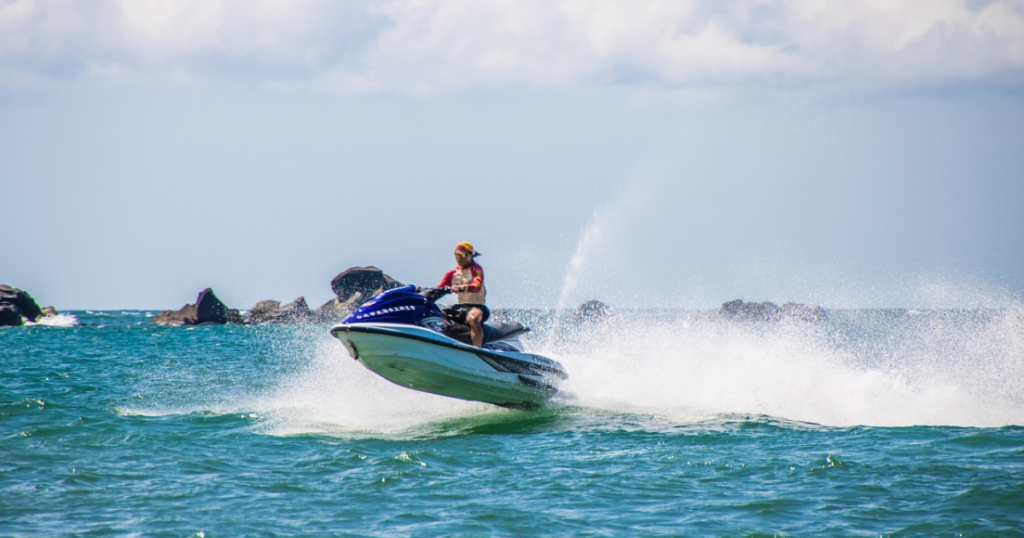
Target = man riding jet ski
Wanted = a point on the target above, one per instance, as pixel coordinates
(404, 337)
(467, 282)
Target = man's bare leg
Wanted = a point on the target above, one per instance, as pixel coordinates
(476, 329)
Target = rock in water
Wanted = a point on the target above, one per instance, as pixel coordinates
(804, 312)
(234, 316)
(186, 315)
(739, 310)
(366, 280)
(337, 310)
(591, 311)
(207, 309)
(22, 300)
(769, 311)
(10, 316)
(263, 312)
(353, 287)
(296, 311)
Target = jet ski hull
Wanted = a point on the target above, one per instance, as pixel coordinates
(424, 360)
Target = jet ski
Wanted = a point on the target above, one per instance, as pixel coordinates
(403, 336)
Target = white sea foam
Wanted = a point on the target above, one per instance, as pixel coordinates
(58, 320)
(886, 369)
(937, 370)
(938, 367)
(334, 394)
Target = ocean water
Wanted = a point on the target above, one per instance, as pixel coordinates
(876, 423)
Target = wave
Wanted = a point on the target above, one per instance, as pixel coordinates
(57, 320)
(636, 370)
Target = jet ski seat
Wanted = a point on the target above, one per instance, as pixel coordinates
(493, 331)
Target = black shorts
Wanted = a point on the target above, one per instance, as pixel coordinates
(457, 312)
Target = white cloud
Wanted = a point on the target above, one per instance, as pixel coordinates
(435, 45)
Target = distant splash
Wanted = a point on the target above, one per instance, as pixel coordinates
(603, 224)
(589, 239)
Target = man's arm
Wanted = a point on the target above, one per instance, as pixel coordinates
(446, 280)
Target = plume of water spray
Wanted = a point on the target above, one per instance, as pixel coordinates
(589, 242)
(595, 238)
(865, 367)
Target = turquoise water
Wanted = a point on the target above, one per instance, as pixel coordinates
(879, 423)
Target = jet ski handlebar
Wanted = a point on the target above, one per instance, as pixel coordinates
(433, 294)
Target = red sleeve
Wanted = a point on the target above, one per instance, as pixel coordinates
(478, 278)
(446, 280)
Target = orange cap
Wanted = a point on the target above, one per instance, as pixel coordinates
(466, 246)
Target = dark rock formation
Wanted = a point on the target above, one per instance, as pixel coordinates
(296, 311)
(739, 310)
(353, 287)
(337, 310)
(769, 311)
(591, 311)
(804, 312)
(207, 309)
(10, 315)
(234, 316)
(263, 312)
(49, 311)
(367, 281)
(171, 318)
(22, 300)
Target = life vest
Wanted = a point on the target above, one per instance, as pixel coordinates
(465, 277)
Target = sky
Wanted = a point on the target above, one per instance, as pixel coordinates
(665, 154)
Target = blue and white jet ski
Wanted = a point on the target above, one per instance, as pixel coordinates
(404, 337)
